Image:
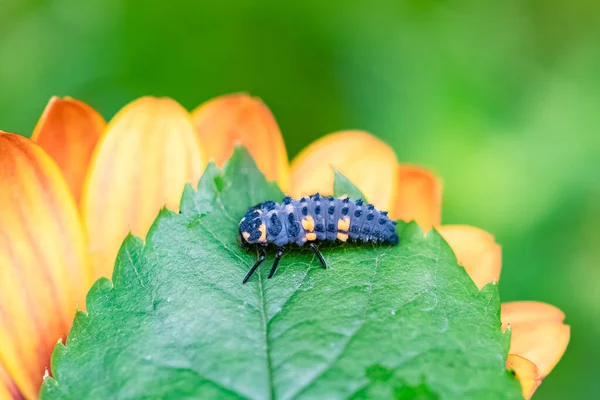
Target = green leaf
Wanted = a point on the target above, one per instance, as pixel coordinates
(343, 186)
(381, 322)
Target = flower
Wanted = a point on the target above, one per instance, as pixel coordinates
(71, 194)
(539, 336)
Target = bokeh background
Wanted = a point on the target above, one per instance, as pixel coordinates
(500, 98)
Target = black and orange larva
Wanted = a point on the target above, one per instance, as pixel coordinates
(310, 220)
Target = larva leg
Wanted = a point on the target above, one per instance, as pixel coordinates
(319, 255)
(276, 263)
(261, 258)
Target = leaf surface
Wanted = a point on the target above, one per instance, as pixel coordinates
(381, 322)
(343, 186)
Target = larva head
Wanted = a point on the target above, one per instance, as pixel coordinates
(252, 228)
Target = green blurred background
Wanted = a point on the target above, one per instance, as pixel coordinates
(501, 99)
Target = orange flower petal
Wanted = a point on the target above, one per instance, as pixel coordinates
(367, 161)
(538, 333)
(419, 197)
(518, 312)
(476, 250)
(142, 162)
(44, 271)
(526, 372)
(68, 130)
(238, 118)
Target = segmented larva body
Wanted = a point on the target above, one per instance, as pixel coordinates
(316, 218)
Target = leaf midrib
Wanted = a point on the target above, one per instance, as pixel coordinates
(266, 337)
(266, 320)
(350, 337)
(263, 307)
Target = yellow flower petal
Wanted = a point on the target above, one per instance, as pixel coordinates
(476, 250)
(44, 272)
(419, 197)
(238, 118)
(538, 333)
(526, 372)
(142, 162)
(8, 388)
(68, 130)
(367, 161)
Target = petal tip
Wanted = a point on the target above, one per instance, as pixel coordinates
(419, 196)
(68, 131)
(539, 333)
(364, 159)
(476, 250)
(240, 119)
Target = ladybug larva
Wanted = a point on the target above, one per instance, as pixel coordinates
(311, 220)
